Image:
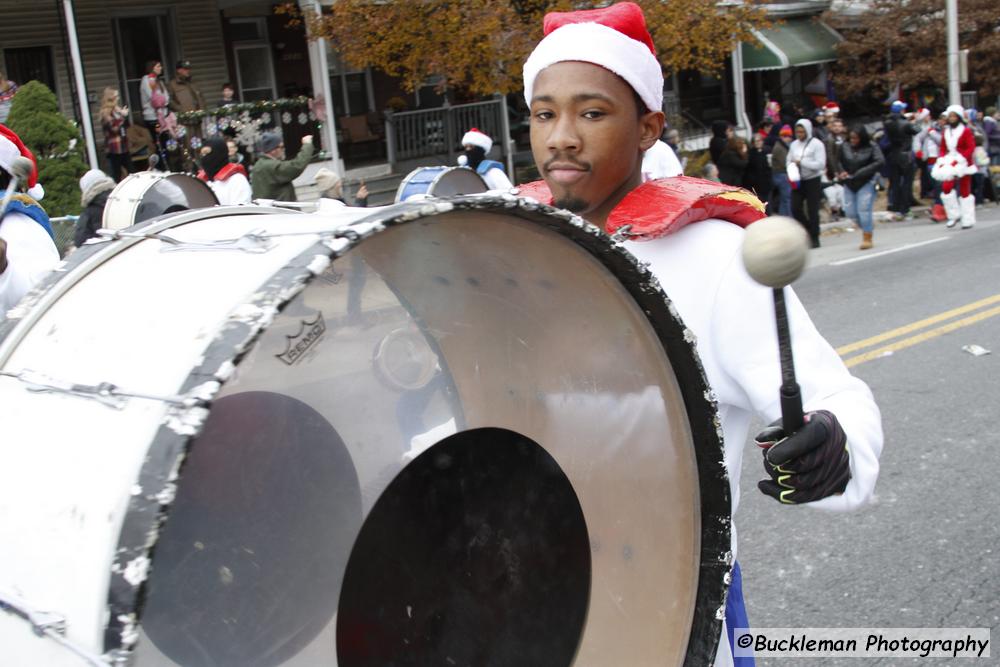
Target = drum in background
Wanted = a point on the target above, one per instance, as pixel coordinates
(440, 182)
(469, 431)
(148, 194)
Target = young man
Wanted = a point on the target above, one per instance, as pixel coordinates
(594, 87)
(272, 174)
(27, 248)
(805, 165)
(955, 167)
(184, 94)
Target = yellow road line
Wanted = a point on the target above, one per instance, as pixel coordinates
(920, 338)
(909, 328)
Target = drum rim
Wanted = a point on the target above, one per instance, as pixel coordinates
(444, 170)
(147, 512)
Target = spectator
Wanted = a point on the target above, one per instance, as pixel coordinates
(899, 159)
(859, 161)
(930, 150)
(764, 128)
(710, 172)
(779, 175)
(922, 121)
(732, 162)
(151, 81)
(233, 149)
(273, 174)
(659, 161)
(721, 132)
(228, 95)
(673, 139)
(115, 122)
(331, 186)
(184, 94)
(228, 180)
(757, 176)
(806, 163)
(819, 124)
(7, 90)
(991, 126)
(980, 178)
(95, 186)
(833, 191)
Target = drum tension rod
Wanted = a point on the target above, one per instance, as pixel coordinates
(53, 626)
(621, 234)
(105, 393)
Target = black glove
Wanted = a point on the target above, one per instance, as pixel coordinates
(811, 464)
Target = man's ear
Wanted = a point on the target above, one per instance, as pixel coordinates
(650, 128)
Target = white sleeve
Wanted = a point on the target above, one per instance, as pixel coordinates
(745, 340)
(31, 254)
(496, 179)
(242, 193)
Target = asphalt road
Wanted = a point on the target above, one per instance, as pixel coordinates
(925, 553)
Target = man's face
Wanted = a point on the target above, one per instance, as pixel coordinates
(953, 119)
(800, 133)
(278, 153)
(587, 137)
(184, 72)
(227, 93)
(837, 127)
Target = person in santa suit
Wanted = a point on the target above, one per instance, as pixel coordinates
(955, 167)
(475, 146)
(27, 245)
(228, 180)
(594, 87)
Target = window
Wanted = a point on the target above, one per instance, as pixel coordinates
(350, 88)
(140, 39)
(33, 63)
(254, 60)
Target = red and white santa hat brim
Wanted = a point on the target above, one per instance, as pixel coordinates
(957, 109)
(476, 138)
(614, 38)
(923, 113)
(11, 148)
(831, 107)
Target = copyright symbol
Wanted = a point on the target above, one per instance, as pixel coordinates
(745, 641)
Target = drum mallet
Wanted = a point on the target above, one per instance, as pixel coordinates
(20, 171)
(774, 254)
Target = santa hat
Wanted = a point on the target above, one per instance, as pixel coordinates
(614, 38)
(956, 109)
(831, 108)
(476, 138)
(923, 113)
(11, 148)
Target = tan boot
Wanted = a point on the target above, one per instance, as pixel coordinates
(866, 241)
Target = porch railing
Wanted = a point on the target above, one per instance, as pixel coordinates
(437, 132)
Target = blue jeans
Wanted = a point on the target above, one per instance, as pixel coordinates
(784, 189)
(858, 205)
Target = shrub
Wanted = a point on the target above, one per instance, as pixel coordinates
(55, 141)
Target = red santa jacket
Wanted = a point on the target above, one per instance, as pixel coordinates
(964, 145)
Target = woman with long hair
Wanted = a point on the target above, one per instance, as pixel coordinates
(732, 161)
(156, 114)
(860, 162)
(115, 121)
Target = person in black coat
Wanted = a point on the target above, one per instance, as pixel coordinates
(721, 132)
(733, 162)
(757, 176)
(859, 160)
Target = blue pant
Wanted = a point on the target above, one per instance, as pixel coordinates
(736, 615)
(784, 189)
(858, 205)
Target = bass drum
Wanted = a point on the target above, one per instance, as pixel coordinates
(464, 431)
(440, 182)
(149, 194)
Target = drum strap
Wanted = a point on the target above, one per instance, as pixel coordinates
(26, 205)
(486, 165)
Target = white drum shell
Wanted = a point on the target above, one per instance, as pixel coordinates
(66, 528)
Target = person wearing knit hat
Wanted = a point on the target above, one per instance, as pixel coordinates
(95, 186)
(955, 168)
(475, 145)
(779, 172)
(228, 180)
(594, 87)
(273, 174)
(27, 244)
(331, 187)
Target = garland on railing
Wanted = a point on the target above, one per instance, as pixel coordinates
(282, 104)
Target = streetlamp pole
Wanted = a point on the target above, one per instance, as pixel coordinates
(954, 91)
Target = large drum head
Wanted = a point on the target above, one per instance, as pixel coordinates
(463, 443)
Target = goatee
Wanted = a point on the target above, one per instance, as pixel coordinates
(570, 203)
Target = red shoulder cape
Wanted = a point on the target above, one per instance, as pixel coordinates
(224, 173)
(663, 206)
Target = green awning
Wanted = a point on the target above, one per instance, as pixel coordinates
(796, 42)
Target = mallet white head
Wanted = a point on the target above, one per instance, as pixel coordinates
(775, 250)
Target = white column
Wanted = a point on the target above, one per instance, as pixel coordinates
(954, 90)
(81, 85)
(742, 120)
(320, 69)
